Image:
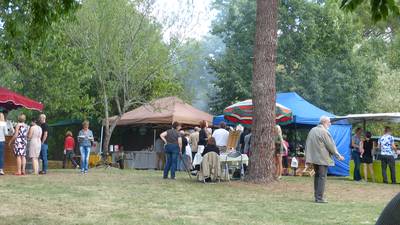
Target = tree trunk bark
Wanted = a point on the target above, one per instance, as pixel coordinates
(107, 135)
(262, 167)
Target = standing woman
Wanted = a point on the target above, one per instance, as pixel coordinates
(356, 152)
(279, 151)
(35, 144)
(20, 140)
(173, 141)
(85, 138)
(3, 132)
(203, 136)
(366, 147)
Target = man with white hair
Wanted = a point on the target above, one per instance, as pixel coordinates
(320, 148)
(44, 148)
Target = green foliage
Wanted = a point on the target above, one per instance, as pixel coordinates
(386, 97)
(62, 66)
(51, 74)
(318, 55)
(25, 22)
(124, 49)
(393, 56)
(7, 71)
(380, 9)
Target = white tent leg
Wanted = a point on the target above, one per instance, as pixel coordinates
(101, 140)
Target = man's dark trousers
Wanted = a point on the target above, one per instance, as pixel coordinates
(385, 161)
(320, 177)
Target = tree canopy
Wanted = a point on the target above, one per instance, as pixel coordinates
(329, 57)
(111, 39)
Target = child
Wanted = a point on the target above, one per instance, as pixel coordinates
(69, 146)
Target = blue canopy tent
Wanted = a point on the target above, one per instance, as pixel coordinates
(306, 114)
(218, 119)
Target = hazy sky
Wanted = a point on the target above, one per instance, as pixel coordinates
(185, 18)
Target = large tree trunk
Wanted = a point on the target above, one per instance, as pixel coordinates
(261, 161)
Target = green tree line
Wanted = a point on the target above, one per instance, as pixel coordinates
(79, 42)
(339, 61)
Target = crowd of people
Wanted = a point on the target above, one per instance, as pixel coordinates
(177, 148)
(320, 148)
(181, 147)
(31, 141)
(364, 149)
(24, 136)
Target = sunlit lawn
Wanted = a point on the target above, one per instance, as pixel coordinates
(140, 197)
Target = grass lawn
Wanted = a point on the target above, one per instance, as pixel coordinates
(141, 197)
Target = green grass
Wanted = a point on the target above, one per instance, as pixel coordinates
(142, 197)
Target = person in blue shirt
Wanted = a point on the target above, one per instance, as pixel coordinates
(85, 138)
(387, 147)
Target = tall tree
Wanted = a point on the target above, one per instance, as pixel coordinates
(317, 43)
(129, 61)
(261, 161)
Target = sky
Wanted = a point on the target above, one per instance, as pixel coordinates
(185, 18)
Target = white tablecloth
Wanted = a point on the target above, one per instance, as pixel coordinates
(222, 158)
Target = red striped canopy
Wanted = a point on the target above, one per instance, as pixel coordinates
(10, 100)
(242, 113)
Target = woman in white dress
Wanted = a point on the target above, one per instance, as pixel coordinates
(34, 135)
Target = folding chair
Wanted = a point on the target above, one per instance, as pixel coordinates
(201, 176)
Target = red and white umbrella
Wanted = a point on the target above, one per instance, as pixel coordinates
(242, 113)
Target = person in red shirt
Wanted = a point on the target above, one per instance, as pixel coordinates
(69, 146)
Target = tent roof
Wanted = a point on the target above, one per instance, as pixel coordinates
(220, 118)
(379, 117)
(165, 111)
(303, 111)
(10, 100)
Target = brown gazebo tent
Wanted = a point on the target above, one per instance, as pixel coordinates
(156, 116)
(165, 111)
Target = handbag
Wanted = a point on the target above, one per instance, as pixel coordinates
(294, 163)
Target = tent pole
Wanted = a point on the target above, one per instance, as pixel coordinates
(295, 137)
(364, 125)
(101, 140)
(295, 133)
(154, 138)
